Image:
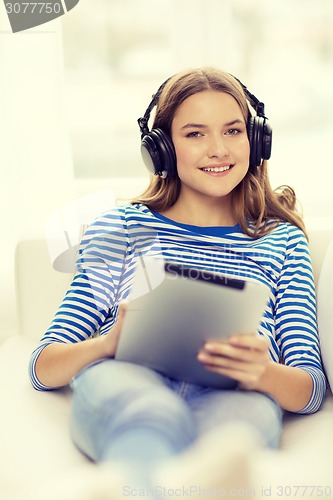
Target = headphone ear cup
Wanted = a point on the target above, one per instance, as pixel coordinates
(253, 146)
(150, 154)
(257, 140)
(267, 141)
(158, 153)
(260, 138)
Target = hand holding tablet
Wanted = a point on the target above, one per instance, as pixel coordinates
(167, 327)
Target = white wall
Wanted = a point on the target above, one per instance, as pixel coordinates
(117, 55)
(35, 161)
(35, 155)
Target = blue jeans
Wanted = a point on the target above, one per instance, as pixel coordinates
(129, 413)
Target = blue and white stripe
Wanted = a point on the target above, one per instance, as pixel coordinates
(116, 240)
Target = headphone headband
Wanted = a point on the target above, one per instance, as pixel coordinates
(143, 122)
(257, 105)
(158, 151)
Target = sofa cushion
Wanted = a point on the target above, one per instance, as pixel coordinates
(39, 288)
(34, 426)
(325, 312)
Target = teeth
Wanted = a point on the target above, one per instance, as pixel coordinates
(216, 169)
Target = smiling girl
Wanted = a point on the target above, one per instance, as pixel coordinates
(210, 204)
(212, 152)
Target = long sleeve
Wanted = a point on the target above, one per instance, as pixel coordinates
(119, 238)
(295, 316)
(90, 303)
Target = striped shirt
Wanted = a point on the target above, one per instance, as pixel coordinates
(116, 240)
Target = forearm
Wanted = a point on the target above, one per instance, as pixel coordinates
(290, 386)
(58, 362)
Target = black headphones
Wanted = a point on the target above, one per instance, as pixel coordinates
(158, 152)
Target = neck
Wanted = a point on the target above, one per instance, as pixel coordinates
(212, 212)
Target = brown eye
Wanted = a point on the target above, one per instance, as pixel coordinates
(194, 134)
(233, 131)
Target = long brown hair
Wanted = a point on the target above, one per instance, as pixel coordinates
(257, 207)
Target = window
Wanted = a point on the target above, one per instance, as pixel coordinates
(118, 52)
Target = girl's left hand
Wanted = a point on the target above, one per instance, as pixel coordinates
(242, 357)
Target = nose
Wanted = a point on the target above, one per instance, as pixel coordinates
(217, 147)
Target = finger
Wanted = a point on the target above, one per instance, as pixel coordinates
(249, 355)
(250, 341)
(218, 351)
(254, 343)
(244, 363)
(121, 312)
(246, 380)
(116, 327)
(122, 307)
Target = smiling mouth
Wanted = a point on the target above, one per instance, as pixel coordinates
(216, 169)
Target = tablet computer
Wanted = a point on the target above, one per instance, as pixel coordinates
(165, 328)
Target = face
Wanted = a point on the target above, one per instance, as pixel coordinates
(212, 148)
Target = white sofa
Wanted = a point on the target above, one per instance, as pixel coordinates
(38, 459)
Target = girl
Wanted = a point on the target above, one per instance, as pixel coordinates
(209, 206)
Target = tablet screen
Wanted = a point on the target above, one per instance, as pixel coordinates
(165, 327)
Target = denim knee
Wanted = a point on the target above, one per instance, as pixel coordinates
(110, 399)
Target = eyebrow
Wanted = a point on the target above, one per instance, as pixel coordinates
(201, 126)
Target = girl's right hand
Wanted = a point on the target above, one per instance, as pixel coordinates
(110, 339)
(59, 362)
